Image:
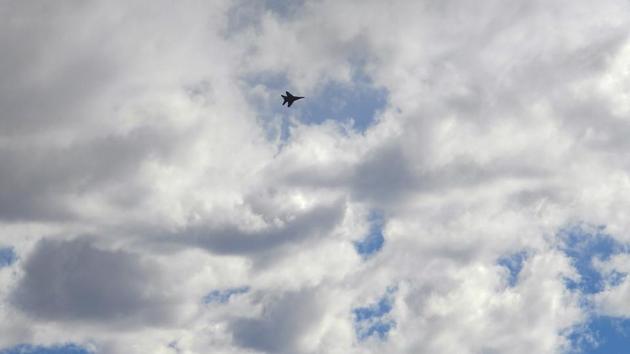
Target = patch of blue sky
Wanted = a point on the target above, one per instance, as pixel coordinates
(223, 296)
(355, 104)
(615, 278)
(273, 81)
(601, 334)
(373, 320)
(374, 240)
(583, 244)
(56, 349)
(379, 329)
(7, 256)
(514, 264)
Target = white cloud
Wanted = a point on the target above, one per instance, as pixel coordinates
(613, 300)
(129, 152)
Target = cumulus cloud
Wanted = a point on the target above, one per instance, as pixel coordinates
(75, 281)
(147, 164)
(231, 240)
(282, 325)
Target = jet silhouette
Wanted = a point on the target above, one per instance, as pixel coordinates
(290, 98)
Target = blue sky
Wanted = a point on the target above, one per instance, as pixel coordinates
(373, 320)
(56, 349)
(514, 264)
(358, 101)
(224, 295)
(355, 103)
(603, 334)
(374, 240)
(583, 244)
(7, 256)
(583, 247)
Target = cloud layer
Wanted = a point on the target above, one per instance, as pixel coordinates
(147, 164)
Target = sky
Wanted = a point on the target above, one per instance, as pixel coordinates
(455, 181)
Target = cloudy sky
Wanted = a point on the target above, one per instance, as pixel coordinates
(457, 179)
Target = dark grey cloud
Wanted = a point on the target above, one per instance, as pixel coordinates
(384, 175)
(76, 281)
(35, 180)
(293, 230)
(388, 174)
(282, 325)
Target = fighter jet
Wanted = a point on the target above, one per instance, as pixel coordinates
(290, 98)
